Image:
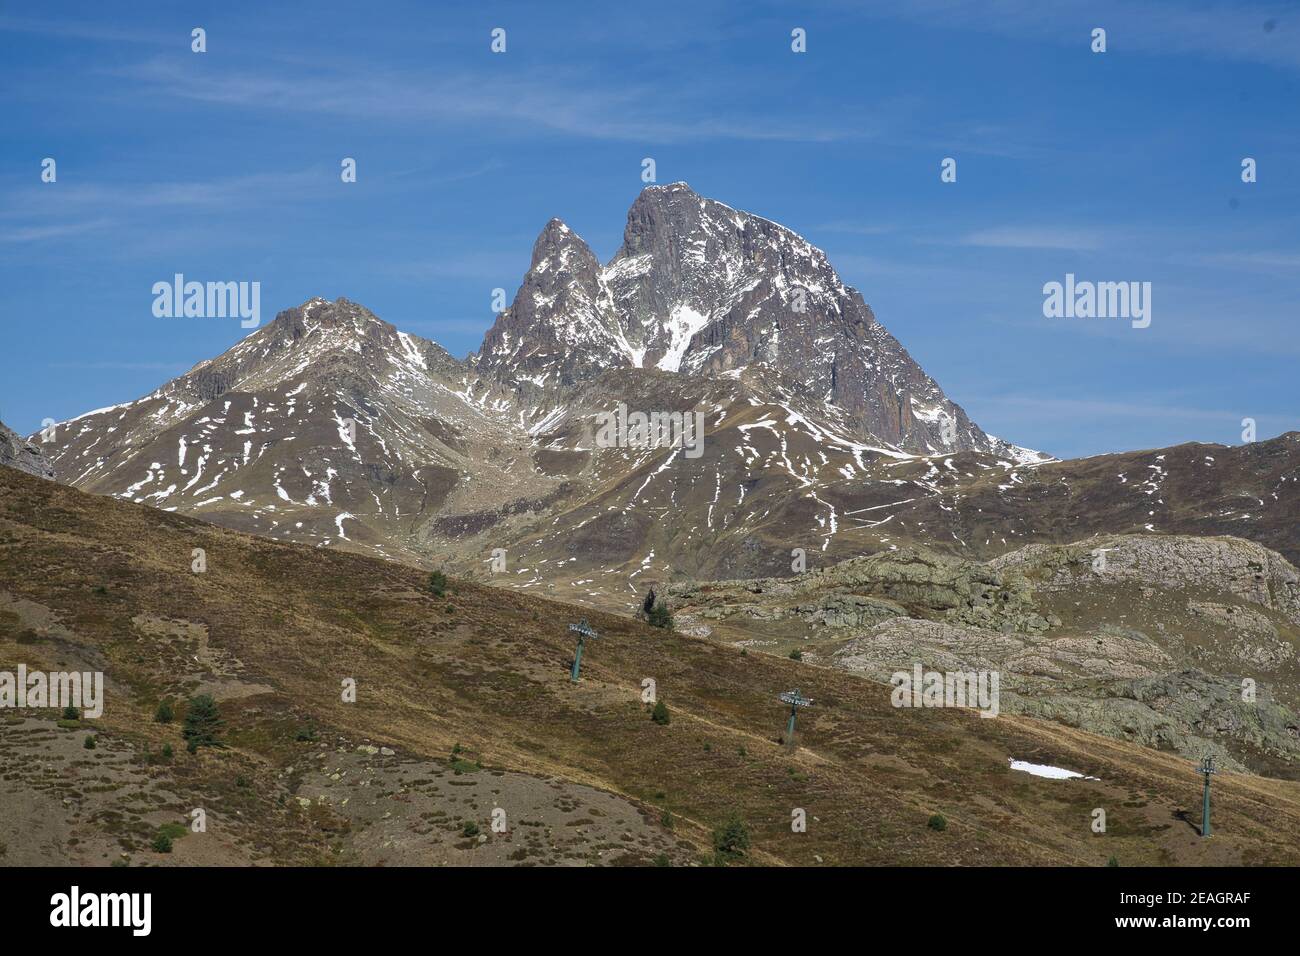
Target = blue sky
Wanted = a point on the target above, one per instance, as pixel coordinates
(1117, 166)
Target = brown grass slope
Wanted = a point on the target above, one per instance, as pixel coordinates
(285, 624)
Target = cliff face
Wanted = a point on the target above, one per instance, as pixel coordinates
(17, 452)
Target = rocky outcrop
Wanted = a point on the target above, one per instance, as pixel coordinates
(1112, 682)
(17, 452)
(1225, 565)
(861, 591)
(1176, 643)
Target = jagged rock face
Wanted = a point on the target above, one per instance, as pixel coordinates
(28, 456)
(560, 329)
(699, 288)
(712, 289)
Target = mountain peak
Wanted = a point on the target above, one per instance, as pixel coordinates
(659, 189)
(700, 288)
(559, 249)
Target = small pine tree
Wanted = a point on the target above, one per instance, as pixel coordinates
(796, 655)
(731, 838)
(90, 743)
(660, 713)
(202, 723)
(167, 752)
(660, 616)
(164, 714)
(71, 713)
(162, 843)
(438, 583)
(937, 823)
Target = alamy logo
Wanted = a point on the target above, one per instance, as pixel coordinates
(974, 689)
(208, 300)
(623, 429)
(134, 910)
(58, 689)
(1098, 300)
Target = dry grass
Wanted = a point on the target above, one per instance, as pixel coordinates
(493, 674)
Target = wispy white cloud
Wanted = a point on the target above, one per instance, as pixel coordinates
(85, 30)
(505, 268)
(557, 100)
(51, 231)
(1034, 237)
(1275, 262)
(1038, 407)
(854, 228)
(1238, 30)
(47, 199)
(125, 366)
(48, 211)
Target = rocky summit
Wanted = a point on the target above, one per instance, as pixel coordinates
(700, 288)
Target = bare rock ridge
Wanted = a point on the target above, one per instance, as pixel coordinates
(17, 452)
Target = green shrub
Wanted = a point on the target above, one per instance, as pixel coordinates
(162, 843)
(937, 823)
(164, 714)
(89, 743)
(173, 831)
(660, 713)
(438, 584)
(167, 752)
(660, 616)
(731, 838)
(796, 655)
(470, 829)
(202, 723)
(1112, 862)
(71, 713)
(460, 764)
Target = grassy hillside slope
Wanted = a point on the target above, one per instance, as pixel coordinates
(272, 631)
